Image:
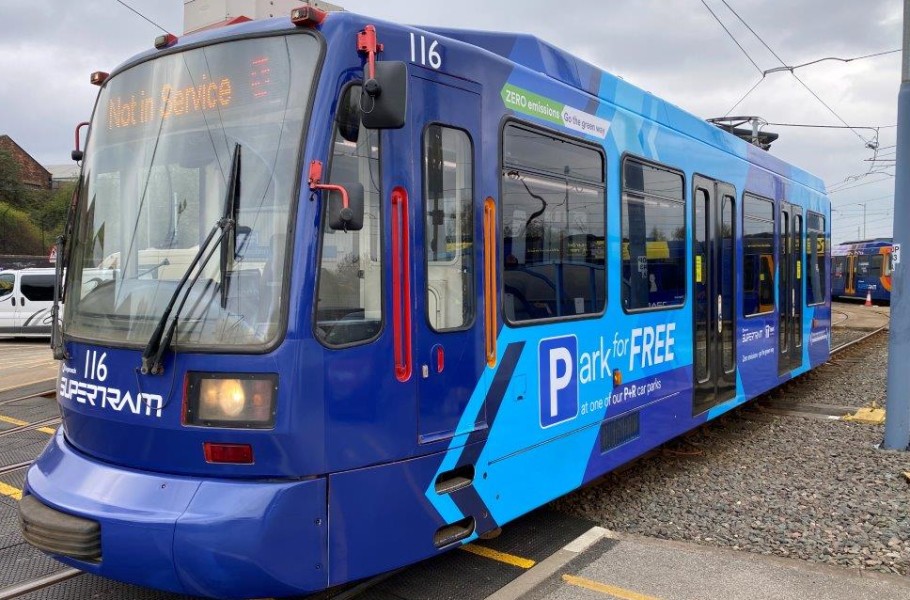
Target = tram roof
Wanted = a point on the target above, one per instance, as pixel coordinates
(538, 55)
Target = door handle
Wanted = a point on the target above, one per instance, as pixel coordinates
(720, 313)
(22, 302)
(14, 301)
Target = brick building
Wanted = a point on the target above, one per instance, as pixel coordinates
(31, 174)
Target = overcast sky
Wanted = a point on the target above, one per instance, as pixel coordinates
(673, 48)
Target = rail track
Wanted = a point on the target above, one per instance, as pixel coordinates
(43, 392)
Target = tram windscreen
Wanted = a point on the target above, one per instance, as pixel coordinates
(159, 161)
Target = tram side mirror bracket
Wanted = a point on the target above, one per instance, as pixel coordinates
(384, 97)
(341, 218)
(344, 202)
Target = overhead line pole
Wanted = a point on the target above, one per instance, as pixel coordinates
(897, 420)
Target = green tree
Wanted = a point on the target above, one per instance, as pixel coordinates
(51, 214)
(18, 234)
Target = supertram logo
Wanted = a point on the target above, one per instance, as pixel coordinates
(99, 395)
(558, 380)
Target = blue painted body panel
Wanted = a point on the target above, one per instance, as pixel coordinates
(222, 538)
(346, 479)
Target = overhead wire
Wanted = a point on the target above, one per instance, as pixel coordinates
(850, 187)
(816, 96)
(746, 95)
(142, 16)
(732, 37)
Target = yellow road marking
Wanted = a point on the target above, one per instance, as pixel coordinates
(611, 590)
(8, 490)
(509, 559)
(13, 421)
(20, 423)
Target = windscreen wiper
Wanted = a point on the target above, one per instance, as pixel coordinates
(164, 332)
(231, 208)
(61, 246)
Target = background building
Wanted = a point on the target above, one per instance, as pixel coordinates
(31, 174)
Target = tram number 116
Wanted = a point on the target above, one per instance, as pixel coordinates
(429, 56)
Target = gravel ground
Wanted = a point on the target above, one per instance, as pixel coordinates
(785, 486)
(867, 389)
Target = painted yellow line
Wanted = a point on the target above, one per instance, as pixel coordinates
(509, 559)
(611, 590)
(13, 421)
(20, 423)
(8, 490)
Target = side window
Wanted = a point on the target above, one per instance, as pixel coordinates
(38, 288)
(553, 224)
(349, 291)
(653, 237)
(7, 281)
(816, 259)
(449, 218)
(758, 256)
(875, 265)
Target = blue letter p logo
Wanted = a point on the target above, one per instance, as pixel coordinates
(557, 358)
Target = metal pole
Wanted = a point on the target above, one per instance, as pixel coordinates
(897, 421)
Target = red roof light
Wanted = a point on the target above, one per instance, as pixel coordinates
(99, 77)
(165, 41)
(307, 16)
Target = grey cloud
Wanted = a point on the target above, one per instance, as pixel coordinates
(673, 48)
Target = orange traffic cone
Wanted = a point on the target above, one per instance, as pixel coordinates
(868, 298)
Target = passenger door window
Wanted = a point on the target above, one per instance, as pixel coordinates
(449, 232)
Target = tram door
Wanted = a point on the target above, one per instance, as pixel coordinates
(714, 284)
(449, 357)
(851, 276)
(790, 289)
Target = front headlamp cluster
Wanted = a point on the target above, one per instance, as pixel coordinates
(230, 400)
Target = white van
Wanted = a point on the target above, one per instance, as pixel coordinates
(26, 298)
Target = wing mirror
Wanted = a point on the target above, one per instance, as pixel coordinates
(384, 96)
(343, 202)
(341, 217)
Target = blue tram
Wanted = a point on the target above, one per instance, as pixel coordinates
(343, 295)
(862, 269)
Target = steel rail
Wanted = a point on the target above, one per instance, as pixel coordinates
(44, 393)
(846, 345)
(33, 585)
(31, 426)
(14, 467)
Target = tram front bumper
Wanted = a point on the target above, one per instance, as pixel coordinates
(217, 538)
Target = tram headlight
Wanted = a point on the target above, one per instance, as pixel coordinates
(230, 400)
